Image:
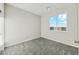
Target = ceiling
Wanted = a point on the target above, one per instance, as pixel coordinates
(42, 8)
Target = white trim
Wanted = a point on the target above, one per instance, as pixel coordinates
(70, 44)
(8, 45)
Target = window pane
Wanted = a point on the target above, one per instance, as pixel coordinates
(62, 20)
(58, 22)
(53, 21)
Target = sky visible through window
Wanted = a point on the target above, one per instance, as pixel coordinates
(58, 21)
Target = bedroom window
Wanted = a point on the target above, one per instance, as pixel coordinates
(58, 22)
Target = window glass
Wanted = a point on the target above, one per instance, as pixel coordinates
(58, 22)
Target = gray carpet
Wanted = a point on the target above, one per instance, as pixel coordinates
(40, 46)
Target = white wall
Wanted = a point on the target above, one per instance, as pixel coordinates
(2, 27)
(20, 25)
(78, 21)
(78, 26)
(64, 37)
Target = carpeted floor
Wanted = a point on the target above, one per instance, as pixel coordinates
(40, 46)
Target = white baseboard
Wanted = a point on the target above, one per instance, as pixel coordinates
(70, 44)
(8, 45)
